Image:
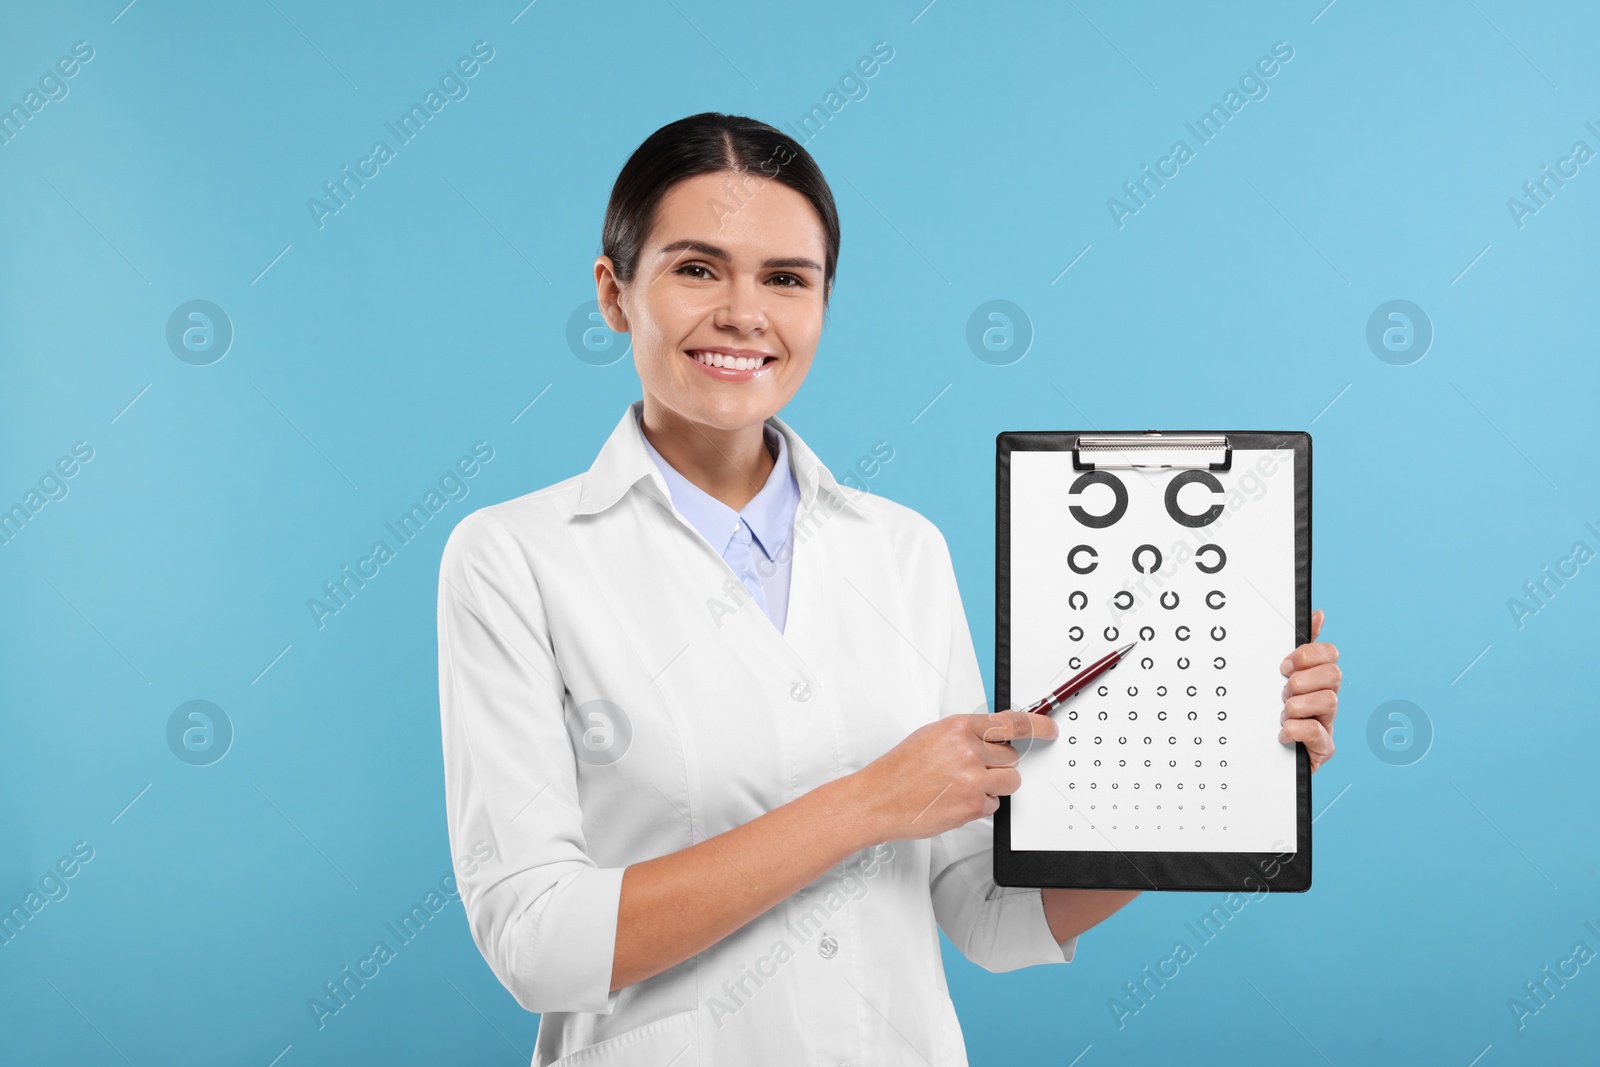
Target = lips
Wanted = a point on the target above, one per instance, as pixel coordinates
(744, 366)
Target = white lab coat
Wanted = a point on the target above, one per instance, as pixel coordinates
(595, 590)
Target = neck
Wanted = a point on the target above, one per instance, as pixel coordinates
(729, 464)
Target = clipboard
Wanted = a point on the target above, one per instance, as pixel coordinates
(1167, 773)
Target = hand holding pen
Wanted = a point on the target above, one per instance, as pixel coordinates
(955, 769)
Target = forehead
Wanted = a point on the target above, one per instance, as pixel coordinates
(740, 212)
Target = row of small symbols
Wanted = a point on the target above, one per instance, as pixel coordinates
(1136, 826)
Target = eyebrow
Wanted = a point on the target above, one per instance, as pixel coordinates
(691, 245)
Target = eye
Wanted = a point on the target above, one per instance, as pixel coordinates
(797, 281)
(694, 266)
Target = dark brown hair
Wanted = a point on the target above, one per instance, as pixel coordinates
(704, 144)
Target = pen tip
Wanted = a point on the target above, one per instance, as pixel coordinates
(1123, 651)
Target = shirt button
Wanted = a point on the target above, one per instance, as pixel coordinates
(827, 948)
(800, 690)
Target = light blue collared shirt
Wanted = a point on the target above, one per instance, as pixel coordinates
(754, 541)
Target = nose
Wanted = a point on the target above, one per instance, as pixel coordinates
(744, 307)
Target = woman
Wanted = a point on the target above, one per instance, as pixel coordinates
(717, 758)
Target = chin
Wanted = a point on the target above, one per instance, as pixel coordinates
(726, 414)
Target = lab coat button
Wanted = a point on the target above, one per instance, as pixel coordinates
(828, 947)
(800, 690)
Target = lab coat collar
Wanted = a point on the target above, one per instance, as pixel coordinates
(769, 514)
(623, 463)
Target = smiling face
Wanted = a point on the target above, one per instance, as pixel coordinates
(723, 280)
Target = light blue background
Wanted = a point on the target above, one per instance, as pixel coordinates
(430, 311)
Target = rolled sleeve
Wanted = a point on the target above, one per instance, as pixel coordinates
(541, 912)
(1000, 928)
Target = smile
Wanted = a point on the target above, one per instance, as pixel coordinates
(731, 364)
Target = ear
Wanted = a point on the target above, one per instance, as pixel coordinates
(608, 294)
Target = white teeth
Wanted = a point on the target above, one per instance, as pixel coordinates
(716, 359)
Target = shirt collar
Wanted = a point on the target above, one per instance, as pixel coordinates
(623, 463)
(769, 514)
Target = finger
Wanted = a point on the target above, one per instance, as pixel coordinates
(1327, 676)
(1308, 655)
(990, 737)
(1316, 623)
(1321, 705)
(986, 738)
(1002, 781)
(991, 754)
(1004, 726)
(1309, 732)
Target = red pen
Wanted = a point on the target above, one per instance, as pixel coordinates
(1079, 680)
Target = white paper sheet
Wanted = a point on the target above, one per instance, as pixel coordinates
(1136, 769)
